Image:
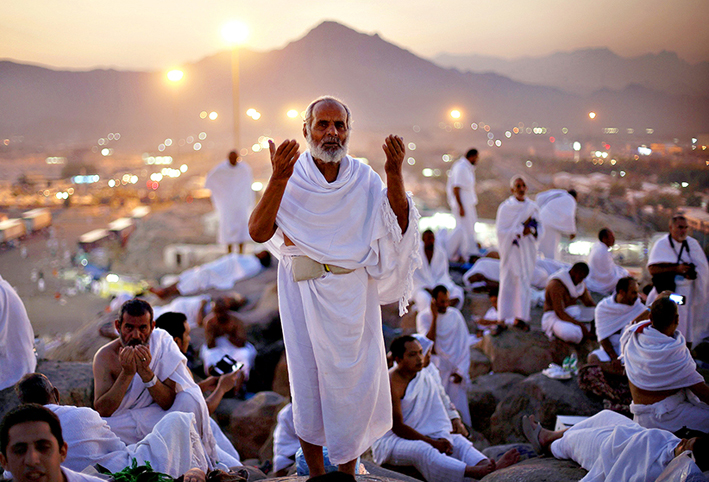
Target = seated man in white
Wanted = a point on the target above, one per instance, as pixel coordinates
(225, 334)
(563, 317)
(142, 375)
(446, 327)
(485, 273)
(612, 315)
(667, 390)
(433, 272)
(421, 434)
(173, 447)
(603, 272)
(613, 448)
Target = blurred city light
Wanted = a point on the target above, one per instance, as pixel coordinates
(455, 113)
(235, 32)
(175, 75)
(592, 115)
(292, 114)
(213, 115)
(258, 186)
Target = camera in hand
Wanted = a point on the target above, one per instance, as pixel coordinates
(227, 365)
(691, 272)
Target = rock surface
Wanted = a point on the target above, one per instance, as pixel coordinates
(479, 363)
(542, 397)
(539, 469)
(485, 393)
(517, 351)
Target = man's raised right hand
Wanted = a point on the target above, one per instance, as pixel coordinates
(283, 158)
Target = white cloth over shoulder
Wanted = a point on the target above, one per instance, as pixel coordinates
(332, 325)
(190, 306)
(614, 448)
(138, 413)
(173, 446)
(603, 273)
(285, 441)
(432, 274)
(219, 274)
(563, 275)
(611, 317)
(234, 199)
(16, 338)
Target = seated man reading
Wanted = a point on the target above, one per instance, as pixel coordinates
(446, 327)
(141, 376)
(562, 317)
(613, 448)
(667, 390)
(172, 448)
(421, 435)
(433, 272)
(225, 334)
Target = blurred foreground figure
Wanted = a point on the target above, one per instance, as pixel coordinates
(603, 272)
(557, 212)
(233, 198)
(463, 201)
(16, 338)
(347, 243)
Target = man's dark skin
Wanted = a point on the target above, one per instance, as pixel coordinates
(557, 298)
(223, 323)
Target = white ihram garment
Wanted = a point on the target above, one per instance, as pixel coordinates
(432, 274)
(552, 325)
(462, 176)
(173, 446)
(656, 362)
(219, 274)
(138, 413)
(285, 441)
(611, 317)
(557, 211)
(603, 273)
(613, 448)
(332, 325)
(16, 338)
(423, 410)
(695, 290)
(233, 198)
(190, 306)
(222, 346)
(518, 255)
(452, 354)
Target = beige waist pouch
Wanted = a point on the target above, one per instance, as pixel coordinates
(305, 268)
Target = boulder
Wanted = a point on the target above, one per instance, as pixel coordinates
(485, 393)
(75, 382)
(479, 363)
(517, 351)
(542, 397)
(539, 469)
(84, 343)
(248, 424)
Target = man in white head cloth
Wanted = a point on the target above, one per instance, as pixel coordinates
(347, 243)
(667, 390)
(517, 224)
(230, 184)
(434, 272)
(446, 327)
(16, 338)
(603, 273)
(677, 263)
(613, 313)
(563, 317)
(463, 200)
(557, 212)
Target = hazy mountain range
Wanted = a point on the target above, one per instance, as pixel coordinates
(388, 88)
(588, 70)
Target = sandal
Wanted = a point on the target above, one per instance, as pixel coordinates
(532, 434)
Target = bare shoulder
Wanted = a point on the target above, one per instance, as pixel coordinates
(106, 358)
(398, 384)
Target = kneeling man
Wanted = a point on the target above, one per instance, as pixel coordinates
(667, 390)
(421, 435)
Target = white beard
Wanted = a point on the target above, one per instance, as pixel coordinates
(327, 156)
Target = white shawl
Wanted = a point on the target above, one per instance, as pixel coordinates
(575, 291)
(349, 223)
(422, 410)
(654, 361)
(557, 210)
(611, 316)
(451, 340)
(17, 356)
(234, 199)
(603, 273)
(435, 273)
(517, 253)
(220, 274)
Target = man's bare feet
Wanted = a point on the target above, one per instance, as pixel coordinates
(481, 469)
(510, 457)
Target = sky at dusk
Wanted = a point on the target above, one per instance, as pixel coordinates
(160, 34)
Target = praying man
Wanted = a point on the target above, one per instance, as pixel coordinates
(347, 243)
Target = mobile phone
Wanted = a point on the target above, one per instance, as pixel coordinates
(227, 365)
(679, 299)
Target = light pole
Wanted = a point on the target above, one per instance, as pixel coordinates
(235, 34)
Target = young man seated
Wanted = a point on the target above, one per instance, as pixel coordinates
(563, 317)
(613, 448)
(421, 435)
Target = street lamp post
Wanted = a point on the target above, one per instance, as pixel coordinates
(235, 34)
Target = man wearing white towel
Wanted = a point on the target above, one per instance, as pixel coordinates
(603, 273)
(463, 200)
(421, 435)
(16, 337)
(232, 196)
(434, 272)
(667, 390)
(557, 212)
(347, 243)
(563, 317)
(677, 263)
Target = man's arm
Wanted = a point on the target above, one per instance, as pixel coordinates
(701, 390)
(109, 390)
(586, 299)
(210, 330)
(163, 392)
(661, 268)
(395, 150)
(456, 194)
(556, 293)
(238, 332)
(431, 333)
(224, 383)
(262, 223)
